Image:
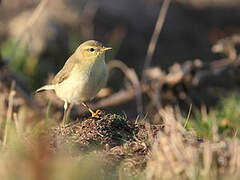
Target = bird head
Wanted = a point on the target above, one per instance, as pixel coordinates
(91, 50)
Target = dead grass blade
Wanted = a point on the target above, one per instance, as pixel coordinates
(9, 111)
(188, 116)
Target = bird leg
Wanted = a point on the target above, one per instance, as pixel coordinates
(94, 114)
(67, 108)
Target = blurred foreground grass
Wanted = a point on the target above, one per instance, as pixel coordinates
(113, 147)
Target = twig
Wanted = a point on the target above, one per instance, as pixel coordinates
(115, 99)
(132, 76)
(155, 35)
(37, 12)
(88, 14)
(9, 111)
(119, 98)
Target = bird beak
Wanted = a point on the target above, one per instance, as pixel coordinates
(107, 48)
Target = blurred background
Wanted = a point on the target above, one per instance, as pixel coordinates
(37, 37)
(172, 101)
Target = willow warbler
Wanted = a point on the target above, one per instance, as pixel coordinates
(82, 76)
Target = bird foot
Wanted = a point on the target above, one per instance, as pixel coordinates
(97, 113)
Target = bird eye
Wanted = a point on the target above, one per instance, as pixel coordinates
(91, 49)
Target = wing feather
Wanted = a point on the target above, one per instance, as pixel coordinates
(65, 71)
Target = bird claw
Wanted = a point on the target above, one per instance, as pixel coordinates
(97, 113)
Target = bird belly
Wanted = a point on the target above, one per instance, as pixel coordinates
(82, 86)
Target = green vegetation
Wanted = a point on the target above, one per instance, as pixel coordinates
(225, 115)
(22, 63)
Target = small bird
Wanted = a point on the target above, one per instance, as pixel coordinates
(83, 75)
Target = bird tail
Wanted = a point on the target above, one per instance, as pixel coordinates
(45, 88)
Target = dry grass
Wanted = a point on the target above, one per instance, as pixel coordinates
(177, 153)
(110, 147)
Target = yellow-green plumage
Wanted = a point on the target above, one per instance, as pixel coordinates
(83, 75)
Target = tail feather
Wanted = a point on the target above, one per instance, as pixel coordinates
(45, 88)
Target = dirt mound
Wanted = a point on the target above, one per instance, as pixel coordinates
(114, 135)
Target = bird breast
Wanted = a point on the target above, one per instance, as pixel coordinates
(83, 83)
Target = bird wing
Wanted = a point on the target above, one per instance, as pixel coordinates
(65, 71)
